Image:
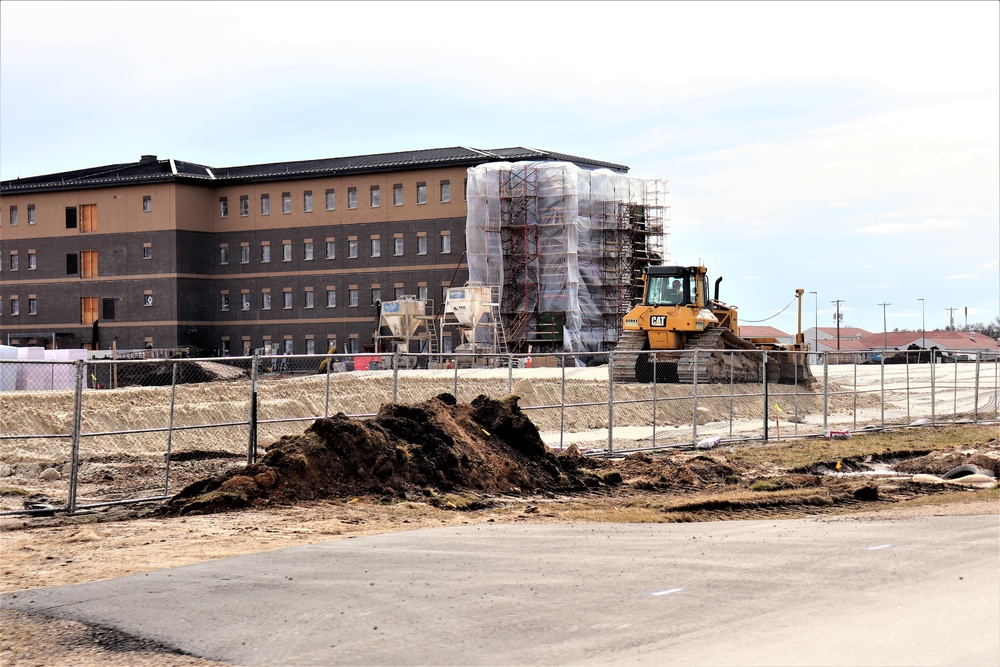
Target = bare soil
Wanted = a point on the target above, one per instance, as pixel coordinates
(440, 462)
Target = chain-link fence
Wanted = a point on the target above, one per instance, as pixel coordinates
(100, 431)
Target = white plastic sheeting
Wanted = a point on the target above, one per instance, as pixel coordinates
(568, 208)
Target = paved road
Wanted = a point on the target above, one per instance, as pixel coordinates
(922, 591)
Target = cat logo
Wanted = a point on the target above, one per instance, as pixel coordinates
(658, 321)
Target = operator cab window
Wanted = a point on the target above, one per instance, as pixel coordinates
(666, 291)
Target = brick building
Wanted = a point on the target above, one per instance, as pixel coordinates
(292, 256)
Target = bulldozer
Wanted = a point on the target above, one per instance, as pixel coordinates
(678, 334)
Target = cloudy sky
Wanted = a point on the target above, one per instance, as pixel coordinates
(848, 149)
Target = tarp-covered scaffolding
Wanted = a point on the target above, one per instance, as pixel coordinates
(566, 244)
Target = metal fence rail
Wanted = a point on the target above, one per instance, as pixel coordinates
(152, 413)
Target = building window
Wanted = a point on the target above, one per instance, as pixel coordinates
(72, 264)
(286, 252)
(265, 301)
(307, 251)
(421, 245)
(376, 247)
(88, 264)
(397, 246)
(286, 202)
(32, 261)
(223, 255)
(223, 207)
(13, 216)
(147, 251)
(331, 250)
(307, 297)
(147, 204)
(421, 193)
(244, 205)
(265, 253)
(289, 347)
(445, 192)
(244, 254)
(375, 192)
(352, 197)
(331, 200)
(225, 301)
(307, 201)
(376, 295)
(31, 214)
(352, 298)
(397, 194)
(265, 204)
(225, 347)
(71, 217)
(32, 306)
(107, 309)
(245, 301)
(422, 293)
(286, 300)
(147, 299)
(14, 261)
(331, 297)
(352, 249)
(310, 346)
(445, 244)
(397, 293)
(15, 306)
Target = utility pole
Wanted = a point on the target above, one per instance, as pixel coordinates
(951, 318)
(837, 318)
(885, 330)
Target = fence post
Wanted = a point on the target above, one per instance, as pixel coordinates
(455, 386)
(954, 395)
(326, 406)
(694, 400)
(766, 414)
(908, 420)
(975, 398)
(252, 439)
(562, 404)
(611, 400)
(882, 381)
(826, 389)
(731, 380)
(395, 375)
(510, 374)
(74, 457)
(933, 389)
(170, 424)
(654, 401)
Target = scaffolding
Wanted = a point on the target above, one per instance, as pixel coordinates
(566, 245)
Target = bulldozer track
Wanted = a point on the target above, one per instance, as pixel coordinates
(630, 345)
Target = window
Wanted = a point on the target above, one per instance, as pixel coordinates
(32, 261)
(147, 251)
(286, 252)
(421, 245)
(88, 218)
(397, 194)
(307, 251)
(397, 293)
(310, 346)
(107, 309)
(445, 243)
(13, 216)
(376, 295)
(88, 264)
(331, 297)
(286, 202)
(352, 197)
(421, 193)
(376, 247)
(245, 301)
(32, 305)
(331, 200)
(265, 300)
(422, 293)
(307, 201)
(352, 297)
(15, 306)
(288, 346)
(14, 261)
(308, 300)
(352, 248)
(223, 207)
(71, 217)
(265, 253)
(31, 214)
(225, 347)
(147, 299)
(375, 196)
(72, 264)
(223, 255)
(445, 192)
(244, 254)
(147, 204)
(397, 246)
(225, 301)
(286, 300)
(265, 204)
(88, 310)
(244, 205)
(331, 250)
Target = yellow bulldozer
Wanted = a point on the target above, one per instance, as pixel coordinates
(678, 334)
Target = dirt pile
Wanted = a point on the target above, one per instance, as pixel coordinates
(405, 451)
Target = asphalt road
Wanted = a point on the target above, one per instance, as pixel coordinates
(921, 591)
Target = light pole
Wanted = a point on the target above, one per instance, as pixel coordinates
(885, 331)
(923, 326)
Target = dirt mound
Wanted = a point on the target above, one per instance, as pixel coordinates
(940, 462)
(419, 450)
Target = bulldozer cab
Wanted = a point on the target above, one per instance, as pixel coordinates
(675, 286)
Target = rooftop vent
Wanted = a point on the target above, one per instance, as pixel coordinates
(147, 159)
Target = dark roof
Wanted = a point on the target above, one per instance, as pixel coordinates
(151, 169)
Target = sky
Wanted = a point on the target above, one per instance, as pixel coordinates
(850, 149)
